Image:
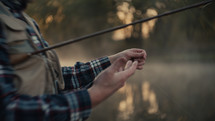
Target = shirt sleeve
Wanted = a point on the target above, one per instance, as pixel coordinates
(70, 106)
(81, 75)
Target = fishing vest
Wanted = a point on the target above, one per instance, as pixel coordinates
(34, 74)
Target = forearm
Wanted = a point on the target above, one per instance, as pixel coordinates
(81, 74)
(96, 96)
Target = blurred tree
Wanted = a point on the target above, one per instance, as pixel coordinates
(63, 19)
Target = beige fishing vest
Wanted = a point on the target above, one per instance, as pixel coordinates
(35, 74)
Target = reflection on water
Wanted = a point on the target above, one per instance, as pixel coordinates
(126, 107)
(149, 96)
(164, 92)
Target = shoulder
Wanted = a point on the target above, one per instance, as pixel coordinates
(32, 20)
(36, 25)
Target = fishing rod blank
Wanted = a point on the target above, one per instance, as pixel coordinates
(70, 41)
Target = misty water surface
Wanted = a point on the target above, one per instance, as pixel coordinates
(164, 92)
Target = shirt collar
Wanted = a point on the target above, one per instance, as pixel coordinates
(17, 5)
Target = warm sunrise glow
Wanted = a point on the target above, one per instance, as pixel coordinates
(125, 14)
(49, 19)
(147, 27)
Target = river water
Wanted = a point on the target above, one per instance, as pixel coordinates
(163, 92)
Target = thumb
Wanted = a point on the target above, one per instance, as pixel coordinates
(128, 64)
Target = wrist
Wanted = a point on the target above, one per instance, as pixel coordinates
(112, 58)
(95, 96)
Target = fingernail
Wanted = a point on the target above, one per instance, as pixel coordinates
(135, 62)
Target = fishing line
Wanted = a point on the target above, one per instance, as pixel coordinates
(205, 3)
(121, 26)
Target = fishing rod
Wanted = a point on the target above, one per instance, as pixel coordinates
(70, 41)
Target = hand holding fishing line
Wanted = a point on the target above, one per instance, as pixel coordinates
(133, 54)
(111, 79)
(129, 55)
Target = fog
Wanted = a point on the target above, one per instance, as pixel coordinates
(177, 82)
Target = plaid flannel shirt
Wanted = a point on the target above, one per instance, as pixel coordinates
(72, 105)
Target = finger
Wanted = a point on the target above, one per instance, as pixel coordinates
(128, 64)
(139, 60)
(137, 50)
(129, 71)
(145, 54)
(135, 55)
(140, 51)
(141, 63)
(118, 65)
(139, 67)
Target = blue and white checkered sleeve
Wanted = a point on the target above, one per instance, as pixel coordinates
(82, 74)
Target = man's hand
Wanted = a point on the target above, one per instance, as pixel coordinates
(133, 54)
(111, 79)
